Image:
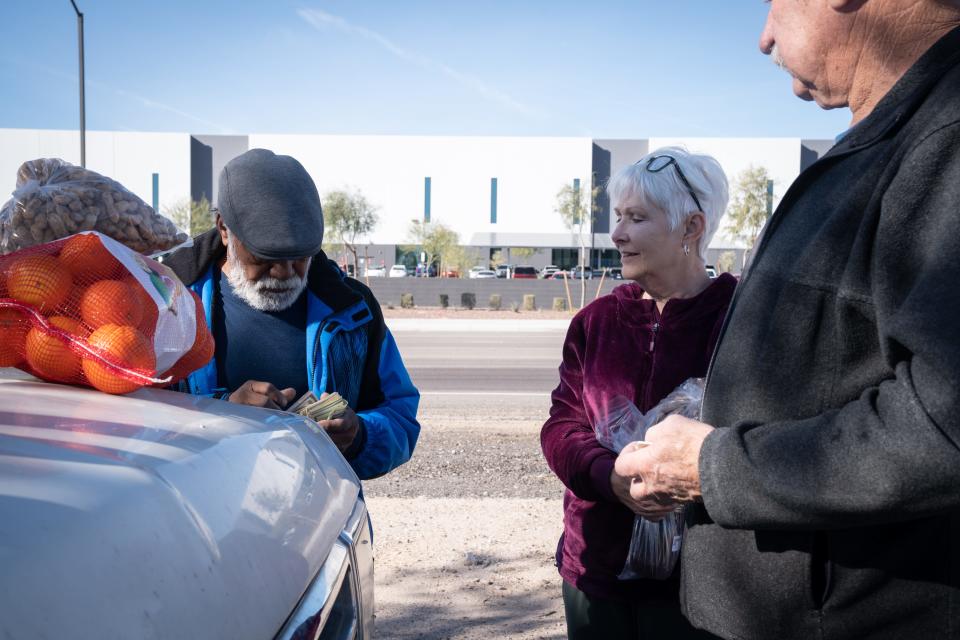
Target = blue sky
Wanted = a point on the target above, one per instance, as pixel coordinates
(606, 69)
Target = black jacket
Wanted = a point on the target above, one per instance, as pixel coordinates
(832, 485)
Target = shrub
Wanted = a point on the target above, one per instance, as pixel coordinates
(529, 302)
(468, 300)
(559, 304)
(444, 300)
(495, 301)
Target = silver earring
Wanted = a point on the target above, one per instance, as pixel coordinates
(686, 250)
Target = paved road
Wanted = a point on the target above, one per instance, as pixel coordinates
(498, 361)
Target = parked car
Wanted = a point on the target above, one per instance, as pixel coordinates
(451, 273)
(504, 270)
(398, 271)
(616, 273)
(548, 270)
(711, 271)
(525, 272)
(376, 272)
(474, 270)
(558, 275)
(585, 272)
(485, 274)
(166, 515)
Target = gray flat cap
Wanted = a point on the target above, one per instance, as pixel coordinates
(271, 203)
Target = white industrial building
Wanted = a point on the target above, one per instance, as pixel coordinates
(497, 193)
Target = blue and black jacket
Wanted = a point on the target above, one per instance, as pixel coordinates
(349, 350)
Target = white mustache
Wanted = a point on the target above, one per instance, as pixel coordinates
(276, 285)
(777, 58)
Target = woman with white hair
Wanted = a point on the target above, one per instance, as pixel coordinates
(640, 342)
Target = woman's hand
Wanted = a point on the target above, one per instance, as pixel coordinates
(648, 508)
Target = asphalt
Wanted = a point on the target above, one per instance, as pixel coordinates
(485, 392)
(482, 357)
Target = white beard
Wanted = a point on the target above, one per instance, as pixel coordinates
(255, 292)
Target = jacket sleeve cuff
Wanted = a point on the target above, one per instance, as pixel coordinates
(600, 470)
(358, 443)
(712, 481)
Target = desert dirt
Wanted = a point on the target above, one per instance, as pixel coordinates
(465, 533)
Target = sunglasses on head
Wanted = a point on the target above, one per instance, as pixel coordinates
(659, 163)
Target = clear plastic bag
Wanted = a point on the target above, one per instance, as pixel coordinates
(654, 546)
(55, 199)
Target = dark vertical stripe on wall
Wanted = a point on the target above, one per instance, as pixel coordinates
(493, 200)
(576, 194)
(426, 199)
(156, 192)
(601, 176)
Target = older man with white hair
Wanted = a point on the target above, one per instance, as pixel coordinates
(286, 320)
(826, 469)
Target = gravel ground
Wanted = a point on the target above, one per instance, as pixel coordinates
(465, 532)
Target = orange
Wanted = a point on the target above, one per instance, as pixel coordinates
(71, 305)
(50, 356)
(39, 280)
(126, 347)
(110, 302)
(148, 323)
(88, 260)
(13, 334)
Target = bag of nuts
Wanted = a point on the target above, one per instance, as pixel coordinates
(55, 199)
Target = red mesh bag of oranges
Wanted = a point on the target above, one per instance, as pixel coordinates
(87, 310)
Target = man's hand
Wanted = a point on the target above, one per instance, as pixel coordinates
(262, 394)
(667, 468)
(342, 430)
(649, 509)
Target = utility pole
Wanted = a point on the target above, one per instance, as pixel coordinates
(83, 118)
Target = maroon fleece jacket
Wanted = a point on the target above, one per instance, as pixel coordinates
(620, 345)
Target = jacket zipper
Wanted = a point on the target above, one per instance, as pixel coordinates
(654, 329)
(316, 346)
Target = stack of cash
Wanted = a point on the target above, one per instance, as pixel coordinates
(332, 406)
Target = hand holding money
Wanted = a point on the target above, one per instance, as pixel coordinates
(331, 413)
(329, 406)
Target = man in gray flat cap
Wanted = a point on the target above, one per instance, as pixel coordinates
(286, 320)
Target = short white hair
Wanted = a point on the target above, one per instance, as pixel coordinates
(664, 191)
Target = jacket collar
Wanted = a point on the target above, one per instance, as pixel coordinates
(324, 280)
(906, 95)
(635, 310)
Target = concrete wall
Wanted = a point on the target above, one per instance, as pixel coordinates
(130, 158)
(426, 291)
(390, 171)
(224, 149)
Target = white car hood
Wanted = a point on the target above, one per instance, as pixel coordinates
(159, 514)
